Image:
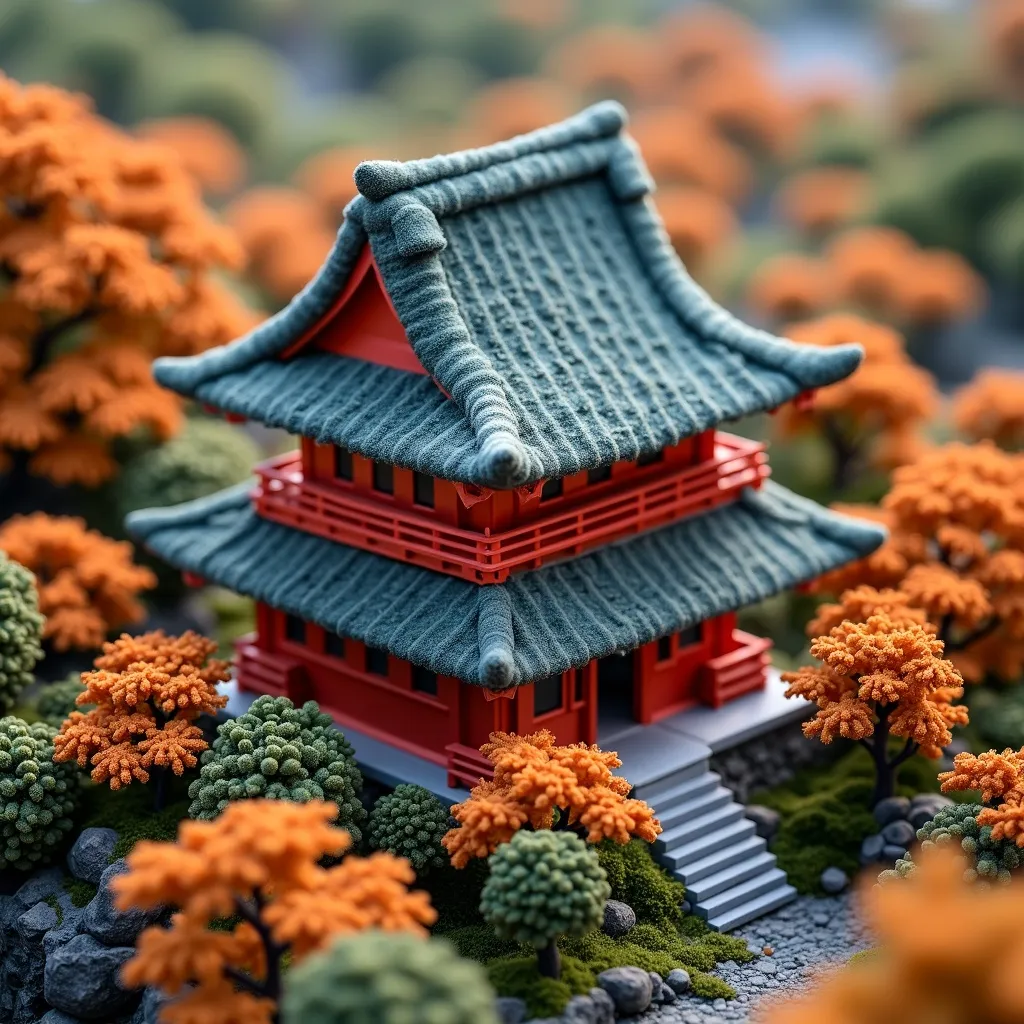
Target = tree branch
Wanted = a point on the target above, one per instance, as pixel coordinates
(979, 634)
(910, 748)
(43, 342)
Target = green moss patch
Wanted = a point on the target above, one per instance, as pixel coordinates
(130, 813)
(637, 880)
(81, 892)
(544, 997)
(53, 901)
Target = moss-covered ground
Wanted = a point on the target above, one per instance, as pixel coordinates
(662, 939)
(826, 814)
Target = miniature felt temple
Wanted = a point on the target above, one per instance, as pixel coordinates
(513, 505)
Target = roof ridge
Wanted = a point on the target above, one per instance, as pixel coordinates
(379, 179)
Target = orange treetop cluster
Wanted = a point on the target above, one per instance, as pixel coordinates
(147, 691)
(110, 255)
(991, 408)
(88, 584)
(540, 785)
(1000, 779)
(257, 863)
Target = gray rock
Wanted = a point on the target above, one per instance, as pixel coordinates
(148, 1011)
(893, 808)
(619, 918)
(629, 987)
(580, 1010)
(765, 819)
(871, 849)
(36, 922)
(655, 982)
(69, 927)
(81, 978)
(510, 1009)
(604, 1006)
(834, 880)
(108, 924)
(685, 907)
(892, 853)
(58, 1017)
(930, 800)
(899, 833)
(920, 816)
(666, 995)
(678, 980)
(38, 887)
(90, 856)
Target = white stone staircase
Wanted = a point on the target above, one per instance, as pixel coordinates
(709, 845)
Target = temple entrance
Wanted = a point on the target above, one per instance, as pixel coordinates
(615, 699)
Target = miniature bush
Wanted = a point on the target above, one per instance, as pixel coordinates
(388, 979)
(37, 797)
(544, 997)
(410, 823)
(56, 701)
(279, 752)
(544, 885)
(21, 630)
(636, 879)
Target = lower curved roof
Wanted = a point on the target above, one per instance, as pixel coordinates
(535, 624)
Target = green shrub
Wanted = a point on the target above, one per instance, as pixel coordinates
(21, 630)
(388, 978)
(1003, 251)
(544, 997)
(57, 700)
(276, 751)
(480, 943)
(636, 879)
(410, 823)
(37, 797)
(455, 892)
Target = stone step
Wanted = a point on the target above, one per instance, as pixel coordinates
(757, 907)
(659, 788)
(678, 856)
(693, 828)
(716, 860)
(680, 790)
(701, 804)
(727, 877)
(763, 882)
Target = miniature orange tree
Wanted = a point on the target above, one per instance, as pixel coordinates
(999, 777)
(946, 952)
(991, 407)
(109, 260)
(539, 785)
(956, 550)
(874, 416)
(88, 584)
(255, 867)
(881, 678)
(147, 691)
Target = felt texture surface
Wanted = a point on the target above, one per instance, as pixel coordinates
(537, 287)
(535, 624)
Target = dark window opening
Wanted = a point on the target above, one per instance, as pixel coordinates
(334, 645)
(547, 695)
(552, 489)
(342, 463)
(577, 691)
(423, 680)
(295, 629)
(383, 477)
(376, 661)
(650, 458)
(599, 475)
(423, 489)
(664, 648)
(690, 636)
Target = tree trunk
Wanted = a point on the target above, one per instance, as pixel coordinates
(878, 747)
(549, 963)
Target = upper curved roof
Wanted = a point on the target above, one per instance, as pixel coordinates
(537, 286)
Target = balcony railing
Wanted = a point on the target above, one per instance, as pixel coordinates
(737, 672)
(340, 514)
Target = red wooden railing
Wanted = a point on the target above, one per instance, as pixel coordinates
(467, 766)
(260, 671)
(338, 513)
(738, 672)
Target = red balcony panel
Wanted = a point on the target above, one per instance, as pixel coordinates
(737, 672)
(467, 766)
(334, 512)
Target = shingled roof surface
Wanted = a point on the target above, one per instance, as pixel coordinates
(535, 624)
(536, 285)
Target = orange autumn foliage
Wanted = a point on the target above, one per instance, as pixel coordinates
(1002, 23)
(207, 150)
(823, 198)
(882, 677)
(258, 863)
(698, 223)
(946, 951)
(860, 603)
(791, 286)
(88, 584)
(328, 177)
(991, 408)
(540, 785)
(147, 691)
(999, 777)
(514, 106)
(702, 39)
(111, 259)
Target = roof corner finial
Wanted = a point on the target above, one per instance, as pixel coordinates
(501, 461)
(378, 179)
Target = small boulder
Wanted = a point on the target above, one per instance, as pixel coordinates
(108, 924)
(90, 856)
(604, 1006)
(678, 980)
(871, 849)
(57, 1017)
(36, 922)
(892, 853)
(619, 918)
(510, 1009)
(892, 808)
(765, 819)
(665, 995)
(655, 983)
(685, 908)
(629, 987)
(42, 884)
(148, 1011)
(81, 978)
(899, 833)
(834, 880)
(580, 1010)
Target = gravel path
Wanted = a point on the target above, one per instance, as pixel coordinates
(803, 935)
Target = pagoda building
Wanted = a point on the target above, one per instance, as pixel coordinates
(513, 506)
